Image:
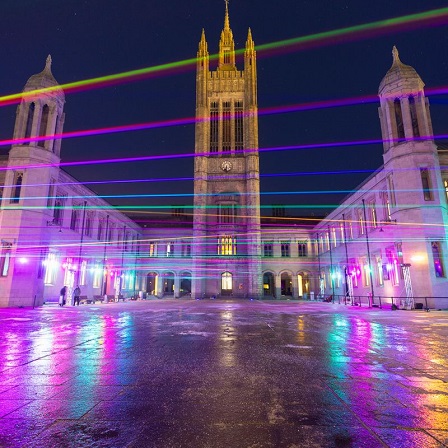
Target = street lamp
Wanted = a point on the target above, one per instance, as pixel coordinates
(368, 249)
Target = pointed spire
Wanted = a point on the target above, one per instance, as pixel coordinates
(48, 64)
(250, 42)
(395, 55)
(226, 44)
(226, 17)
(203, 43)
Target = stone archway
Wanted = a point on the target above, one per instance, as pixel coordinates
(185, 284)
(303, 284)
(168, 284)
(268, 284)
(286, 284)
(151, 283)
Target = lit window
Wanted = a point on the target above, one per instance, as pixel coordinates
(392, 267)
(152, 249)
(390, 184)
(334, 237)
(379, 271)
(170, 249)
(387, 217)
(97, 274)
(5, 258)
(226, 245)
(327, 240)
(350, 227)
(82, 277)
(50, 269)
(366, 273)
(373, 217)
(226, 281)
(437, 257)
(360, 223)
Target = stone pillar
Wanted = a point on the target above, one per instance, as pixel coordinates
(278, 286)
(295, 286)
(176, 286)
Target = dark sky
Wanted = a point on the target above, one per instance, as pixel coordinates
(94, 38)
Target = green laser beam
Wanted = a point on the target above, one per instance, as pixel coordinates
(386, 24)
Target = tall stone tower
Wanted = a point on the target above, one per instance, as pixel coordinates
(31, 176)
(226, 173)
(416, 190)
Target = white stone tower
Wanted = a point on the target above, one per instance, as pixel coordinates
(27, 205)
(416, 193)
(226, 173)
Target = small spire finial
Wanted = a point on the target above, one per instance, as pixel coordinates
(48, 63)
(395, 55)
(226, 18)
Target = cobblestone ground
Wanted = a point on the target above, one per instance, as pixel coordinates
(186, 373)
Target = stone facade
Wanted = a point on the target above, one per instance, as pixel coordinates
(385, 243)
(388, 239)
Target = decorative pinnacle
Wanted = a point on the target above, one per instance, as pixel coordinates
(48, 63)
(395, 55)
(226, 19)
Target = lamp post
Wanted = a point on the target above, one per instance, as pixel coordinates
(318, 262)
(348, 279)
(104, 286)
(122, 262)
(81, 243)
(331, 264)
(368, 248)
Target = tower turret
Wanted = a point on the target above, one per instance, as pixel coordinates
(404, 110)
(226, 45)
(31, 176)
(202, 71)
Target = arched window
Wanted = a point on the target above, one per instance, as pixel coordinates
(18, 179)
(226, 281)
(226, 126)
(214, 126)
(399, 119)
(44, 123)
(29, 120)
(414, 119)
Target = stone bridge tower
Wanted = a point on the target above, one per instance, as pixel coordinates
(226, 173)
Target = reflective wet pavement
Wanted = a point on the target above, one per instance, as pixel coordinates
(217, 374)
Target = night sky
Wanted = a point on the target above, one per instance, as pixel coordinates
(94, 38)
